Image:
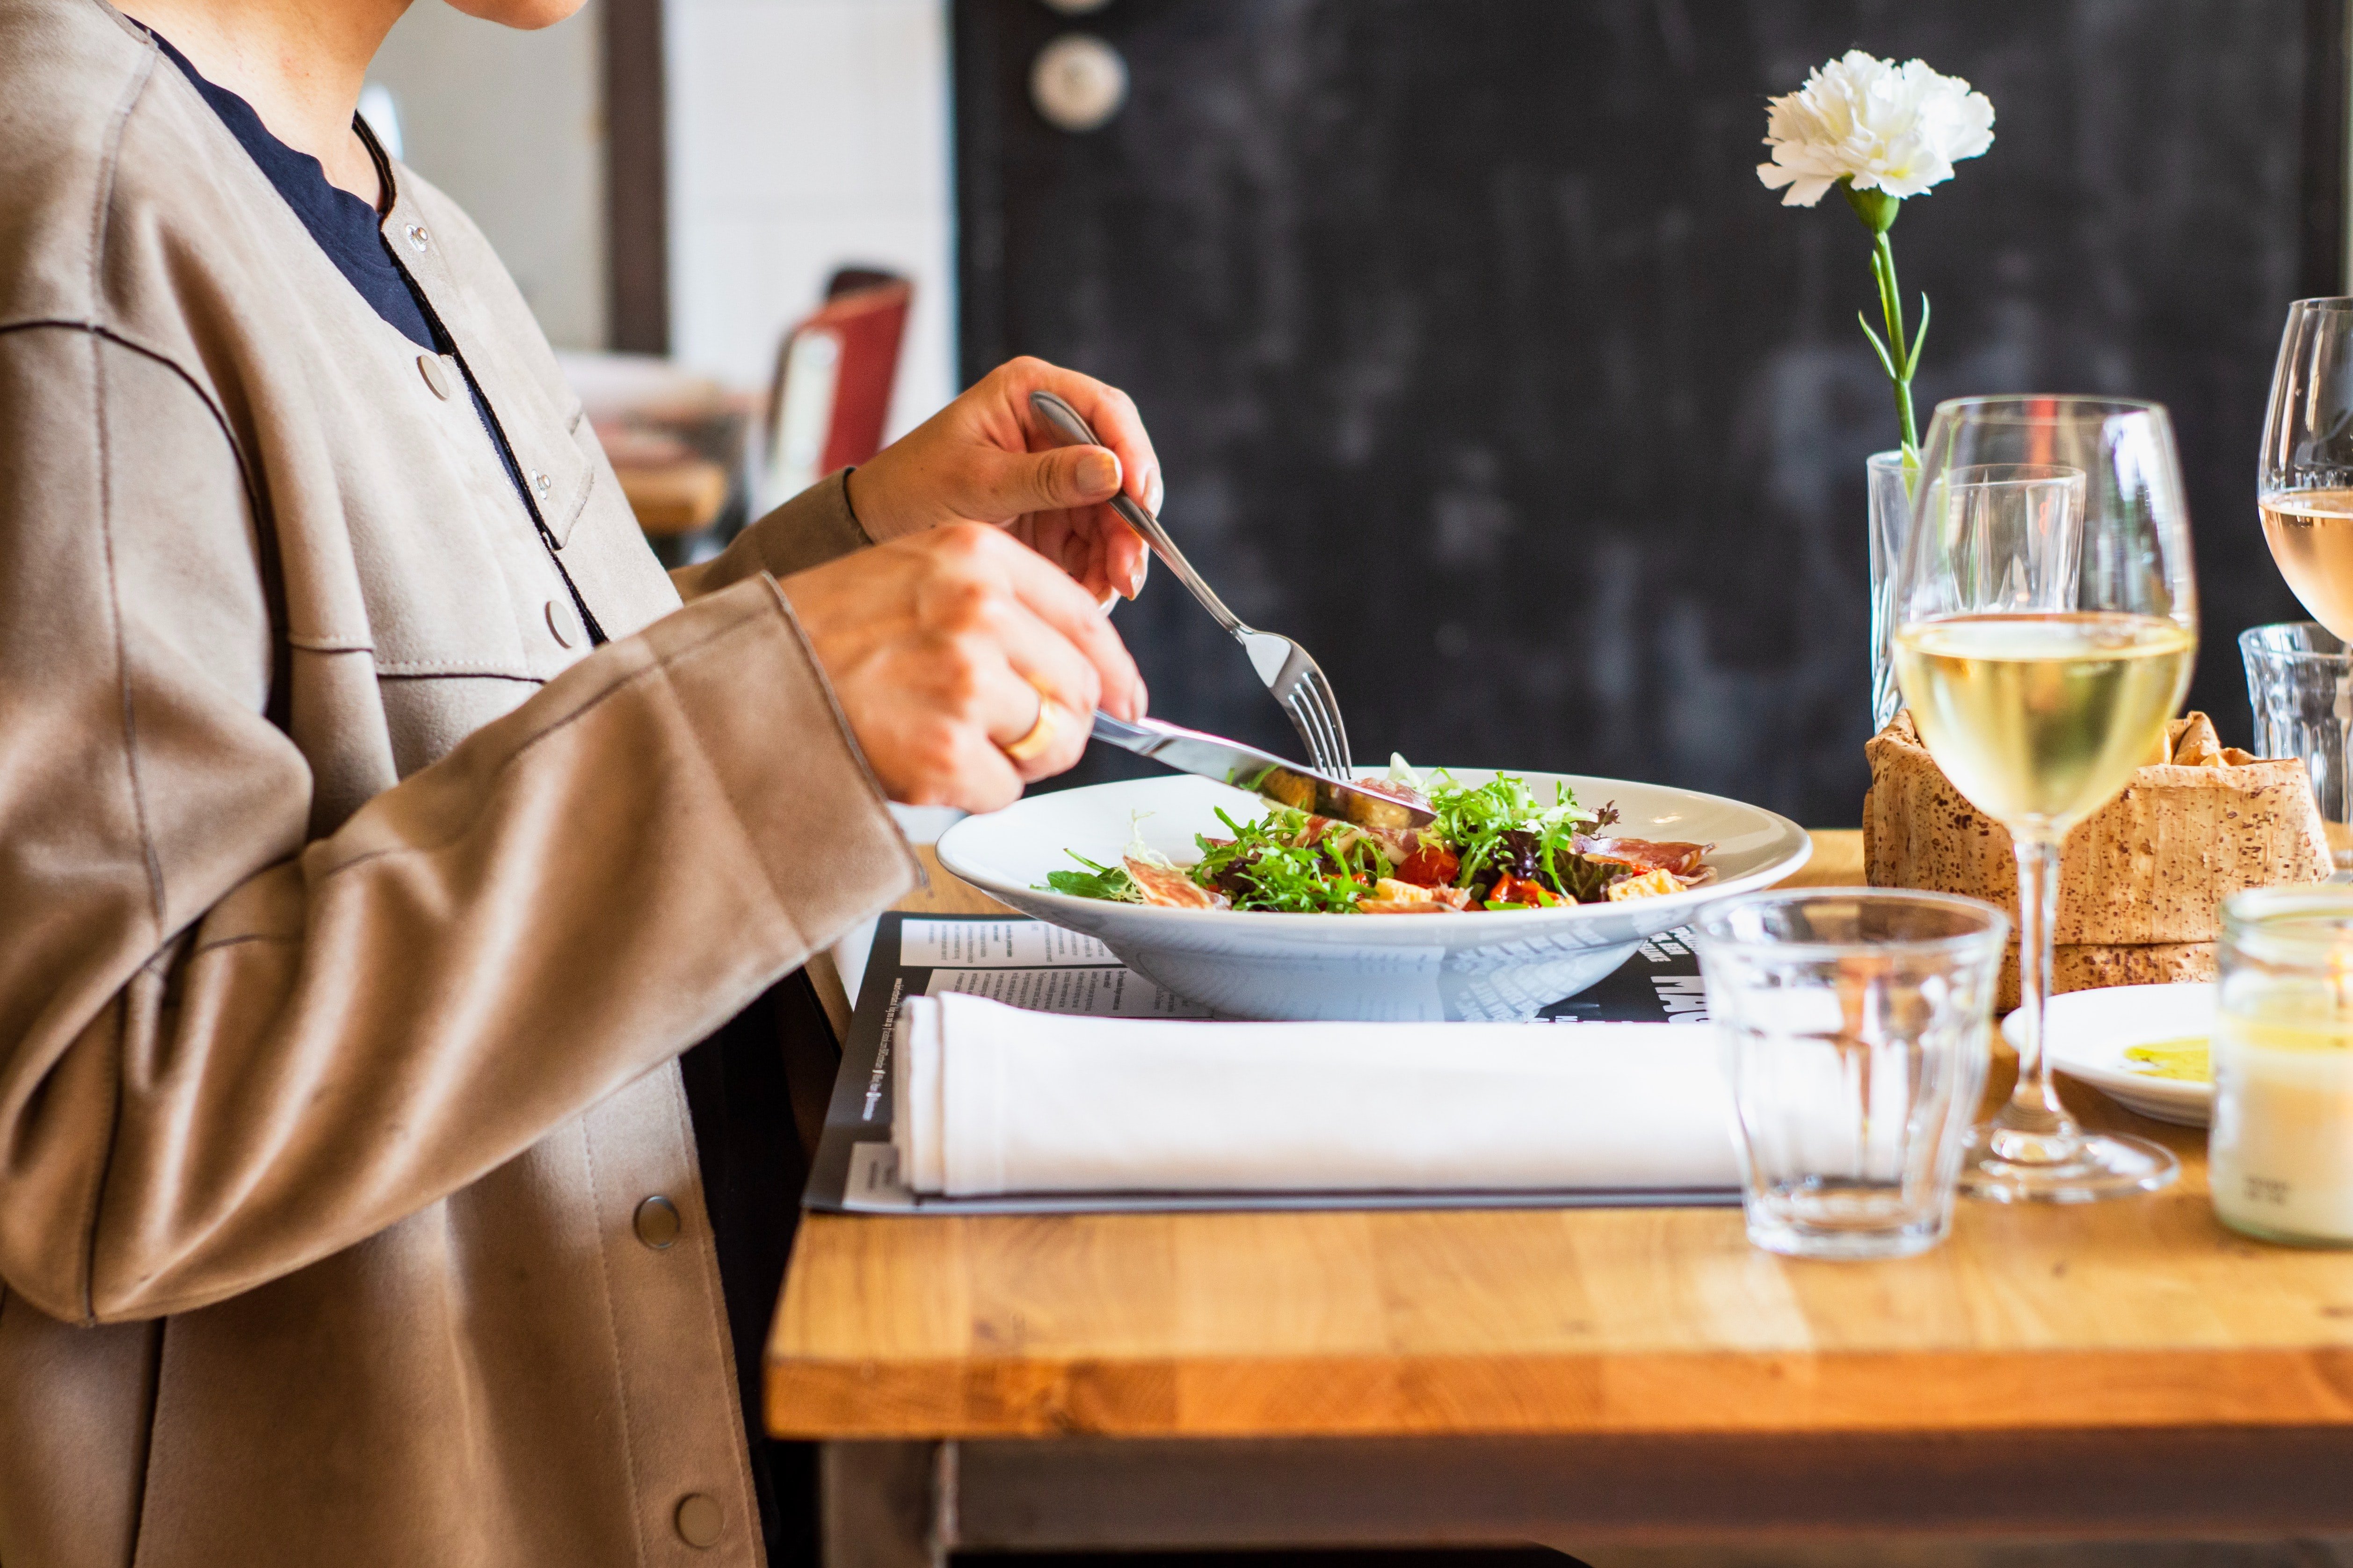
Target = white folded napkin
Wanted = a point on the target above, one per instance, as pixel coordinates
(989, 1099)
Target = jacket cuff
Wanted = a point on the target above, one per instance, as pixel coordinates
(831, 867)
(813, 528)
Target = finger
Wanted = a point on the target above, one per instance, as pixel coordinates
(1048, 734)
(1070, 610)
(983, 777)
(1046, 660)
(1110, 413)
(1124, 557)
(1055, 536)
(1010, 484)
(1094, 545)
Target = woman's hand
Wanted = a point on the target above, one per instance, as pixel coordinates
(987, 458)
(948, 645)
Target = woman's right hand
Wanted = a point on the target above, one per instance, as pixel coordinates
(946, 647)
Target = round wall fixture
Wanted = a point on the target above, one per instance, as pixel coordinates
(1077, 7)
(1078, 83)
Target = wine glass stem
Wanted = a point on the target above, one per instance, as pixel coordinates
(2035, 1105)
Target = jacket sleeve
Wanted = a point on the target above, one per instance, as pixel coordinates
(813, 528)
(227, 1052)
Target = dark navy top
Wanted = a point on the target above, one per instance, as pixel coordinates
(347, 228)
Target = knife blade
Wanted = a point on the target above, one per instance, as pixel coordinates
(1261, 773)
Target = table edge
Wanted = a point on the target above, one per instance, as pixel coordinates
(1740, 1391)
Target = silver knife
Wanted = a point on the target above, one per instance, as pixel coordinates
(1261, 773)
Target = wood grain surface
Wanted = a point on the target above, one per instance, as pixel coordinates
(674, 498)
(2143, 1313)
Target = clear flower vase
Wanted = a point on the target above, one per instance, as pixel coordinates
(1890, 520)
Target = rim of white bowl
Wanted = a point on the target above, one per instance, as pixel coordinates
(1802, 849)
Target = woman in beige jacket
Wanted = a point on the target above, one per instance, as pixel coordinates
(379, 826)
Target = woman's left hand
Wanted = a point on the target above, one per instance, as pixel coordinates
(987, 458)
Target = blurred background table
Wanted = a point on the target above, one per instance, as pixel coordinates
(1573, 1377)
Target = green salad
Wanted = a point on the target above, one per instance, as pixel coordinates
(1493, 847)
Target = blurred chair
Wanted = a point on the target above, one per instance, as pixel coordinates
(835, 371)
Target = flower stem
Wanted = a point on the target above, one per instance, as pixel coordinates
(1901, 351)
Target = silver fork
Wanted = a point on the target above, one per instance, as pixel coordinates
(1295, 680)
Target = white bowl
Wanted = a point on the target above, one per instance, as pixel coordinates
(2088, 1032)
(1487, 965)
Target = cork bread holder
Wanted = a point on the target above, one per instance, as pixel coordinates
(2141, 884)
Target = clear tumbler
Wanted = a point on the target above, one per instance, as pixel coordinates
(1856, 1024)
(2300, 685)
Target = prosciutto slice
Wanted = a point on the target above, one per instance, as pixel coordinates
(1677, 859)
(1172, 888)
(1396, 843)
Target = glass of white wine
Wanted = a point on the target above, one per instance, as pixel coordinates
(2304, 486)
(2046, 624)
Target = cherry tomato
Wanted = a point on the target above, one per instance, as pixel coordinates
(1431, 866)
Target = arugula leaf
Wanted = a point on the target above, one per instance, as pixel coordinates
(1477, 819)
(1494, 827)
(1111, 883)
(1266, 868)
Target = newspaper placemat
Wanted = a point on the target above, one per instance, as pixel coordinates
(1029, 964)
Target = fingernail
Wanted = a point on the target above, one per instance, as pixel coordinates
(1098, 473)
(1143, 697)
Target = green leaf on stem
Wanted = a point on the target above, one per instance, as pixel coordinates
(1912, 360)
(1877, 346)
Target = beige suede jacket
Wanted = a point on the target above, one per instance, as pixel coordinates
(352, 911)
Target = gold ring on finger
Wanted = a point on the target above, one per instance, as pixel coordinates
(1040, 734)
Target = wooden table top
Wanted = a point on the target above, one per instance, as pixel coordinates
(682, 497)
(2141, 1314)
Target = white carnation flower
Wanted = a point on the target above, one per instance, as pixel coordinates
(1898, 129)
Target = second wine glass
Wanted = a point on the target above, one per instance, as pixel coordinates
(2047, 619)
(2304, 488)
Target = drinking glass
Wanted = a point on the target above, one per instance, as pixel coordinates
(1855, 1024)
(2304, 482)
(2041, 659)
(2300, 685)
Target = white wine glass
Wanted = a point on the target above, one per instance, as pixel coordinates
(2303, 492)
(2304, 488)
(2047, 619)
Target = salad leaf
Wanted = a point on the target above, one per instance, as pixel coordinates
(1108, 882)
(1266, 867)
(1514, 852)
(1483, 822)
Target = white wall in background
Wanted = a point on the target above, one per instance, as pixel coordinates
(804, 135)
(513, 126)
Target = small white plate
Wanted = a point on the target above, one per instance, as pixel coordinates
(2088, 1033)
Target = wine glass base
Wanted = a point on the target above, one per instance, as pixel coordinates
(2006, 1167)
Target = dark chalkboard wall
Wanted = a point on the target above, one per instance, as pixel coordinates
(1481, 362)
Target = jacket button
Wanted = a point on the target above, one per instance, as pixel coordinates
(436, 375)
(559, 624)
(418, 236)
(541, 483)
(699, 1520)
(658, 1226)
